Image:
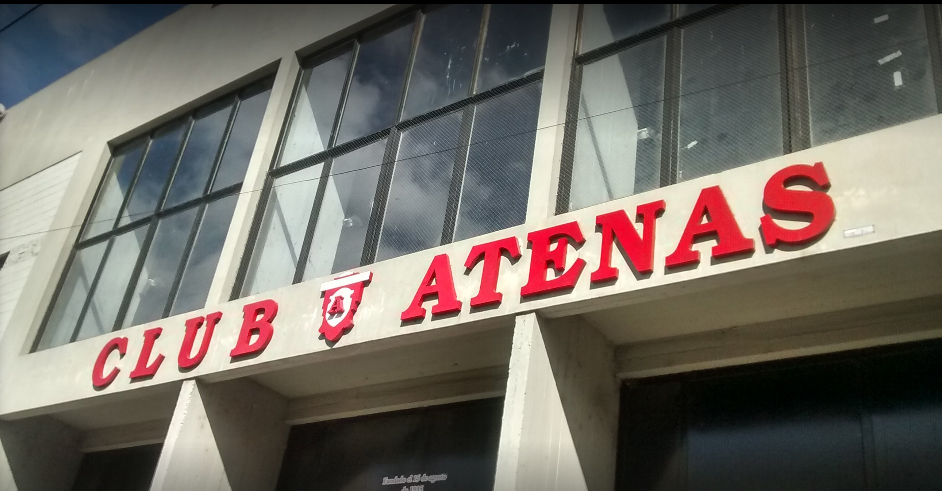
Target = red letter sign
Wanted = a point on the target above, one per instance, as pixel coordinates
(640, 251)
(796, 201)
(491, 254)
(99, 379)
(142, 369)
(256, 319)
(184, 360)
(711, 205)
(439, 272)
(543, 257)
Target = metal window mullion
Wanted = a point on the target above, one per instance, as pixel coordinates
(794, 63)
(138, 266)
(933, 14)
(305, 251)
(671, 115)
(479, 49)
(383, 185)
(344, 93)
(124, 199)
(567, 160)
(457, 176)
(191, 121)
(410, 64)
(91, 290)
(55, 299)
(250, 242)
(234, 110)
(184, 259)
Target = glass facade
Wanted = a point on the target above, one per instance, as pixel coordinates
(151, 242)
(412, 135)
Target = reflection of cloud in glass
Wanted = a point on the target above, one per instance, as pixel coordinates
(116, 185)
(199, 155)
(241, 141)
(443, 64)
(154, 174)
(415, 212)
(513, 48)
(65, 314)
(497, 177)
(315, 109)
(377, 84)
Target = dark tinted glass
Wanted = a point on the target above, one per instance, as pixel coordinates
(160, 268)
(445, 58)
(515, 43)
(376, 87)
(201, 263)
(605, 23)
(497, 176)
(123, 167)
(126, 469)
(415, 211)
(157, 165)
(199, 154)
(456, 443)
(869, 68)
(730, 105)
(241, 141)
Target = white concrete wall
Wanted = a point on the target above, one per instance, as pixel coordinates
(27, 209)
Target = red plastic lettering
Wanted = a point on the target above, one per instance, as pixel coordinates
(143, 369)
(720, 224)
(640, 251)
(438, 272)
(815, 203)
(544, 257)
(99, 379)
(490, 254)
(185, 360)
(256, 319)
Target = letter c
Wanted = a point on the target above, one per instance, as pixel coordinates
(99, 379)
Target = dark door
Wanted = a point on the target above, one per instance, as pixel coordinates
(126, 469)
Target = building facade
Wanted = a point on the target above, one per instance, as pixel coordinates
(656, 247)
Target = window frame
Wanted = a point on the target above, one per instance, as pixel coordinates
(151, 221)
(794, 83)
(392, 134)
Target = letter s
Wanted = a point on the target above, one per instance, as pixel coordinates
(814, 203)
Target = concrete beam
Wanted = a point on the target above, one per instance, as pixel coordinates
(225, 436)
(558, 430)
(38, 454)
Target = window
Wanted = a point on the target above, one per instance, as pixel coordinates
(152, 239)
(668, 93)
(412, 135)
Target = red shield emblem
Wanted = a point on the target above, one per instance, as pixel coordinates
(341, 298)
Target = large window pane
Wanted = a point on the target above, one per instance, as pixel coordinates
(730, 106)
(113, 283)
(618, 134)
(315, 109)
(445, 59)
(515, 44)
(497, 176)
(156, 169)
(415, 211)
(605, 23)
(72, 296)
(120, 176)
(160, 269)
(241, 142)
(377, 84)
(868, 69)
(282, 231)
(201, 264)
(345, 212)
(199, 155)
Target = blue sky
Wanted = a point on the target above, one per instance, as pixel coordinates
(53, 40)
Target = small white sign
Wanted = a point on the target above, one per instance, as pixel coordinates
(857, 232)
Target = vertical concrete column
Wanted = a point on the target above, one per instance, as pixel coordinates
(38, 454)
(224, 436)
(558, 430)
(548, 148)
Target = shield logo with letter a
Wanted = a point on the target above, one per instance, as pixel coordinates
(341, 298)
